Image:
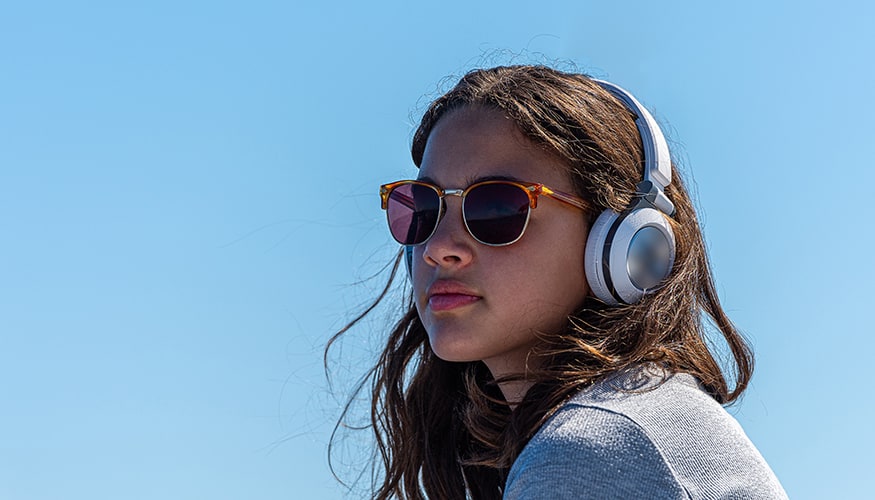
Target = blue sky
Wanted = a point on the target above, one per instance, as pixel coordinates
(188, 209)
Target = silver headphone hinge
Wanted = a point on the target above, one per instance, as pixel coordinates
(651, 194)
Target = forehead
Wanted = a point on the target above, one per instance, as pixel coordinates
(474, 143)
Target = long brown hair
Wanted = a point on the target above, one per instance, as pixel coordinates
(442, 428)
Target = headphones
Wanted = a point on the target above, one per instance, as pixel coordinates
(629, 254)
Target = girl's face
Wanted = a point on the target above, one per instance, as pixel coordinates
(485, 303)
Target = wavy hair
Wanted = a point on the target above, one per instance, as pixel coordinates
(443, 429)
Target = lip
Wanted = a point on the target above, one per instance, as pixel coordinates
(446, 295)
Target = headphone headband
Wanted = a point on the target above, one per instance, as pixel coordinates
(657, 159)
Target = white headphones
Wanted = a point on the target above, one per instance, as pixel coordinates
(629, 254)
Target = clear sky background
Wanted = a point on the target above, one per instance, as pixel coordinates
(188, 207)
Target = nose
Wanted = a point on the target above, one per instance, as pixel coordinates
(450, 245)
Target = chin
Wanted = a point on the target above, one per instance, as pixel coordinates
(455, 352)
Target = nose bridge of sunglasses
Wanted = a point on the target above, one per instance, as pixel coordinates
(454, 192)
(459, 193)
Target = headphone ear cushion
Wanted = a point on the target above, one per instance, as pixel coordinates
(594, 255)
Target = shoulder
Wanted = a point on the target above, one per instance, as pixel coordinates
(644, 428)
(590, 452)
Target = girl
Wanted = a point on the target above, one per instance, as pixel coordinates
(553, 345)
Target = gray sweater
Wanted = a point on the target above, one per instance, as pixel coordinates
(629, 436)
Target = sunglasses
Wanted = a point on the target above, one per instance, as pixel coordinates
(495, 213)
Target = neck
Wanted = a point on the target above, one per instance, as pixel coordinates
(515, 367)
(514, 391)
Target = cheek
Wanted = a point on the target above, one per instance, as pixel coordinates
(542, 291)
(417, 274)
(558, 275)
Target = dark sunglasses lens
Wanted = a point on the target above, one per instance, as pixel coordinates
(496, 214)
(413, 212)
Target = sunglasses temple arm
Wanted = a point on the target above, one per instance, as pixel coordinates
(570, 199)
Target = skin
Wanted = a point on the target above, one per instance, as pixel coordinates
(495, 298)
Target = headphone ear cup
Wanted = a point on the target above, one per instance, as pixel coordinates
(628, 255)
(642, 254)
